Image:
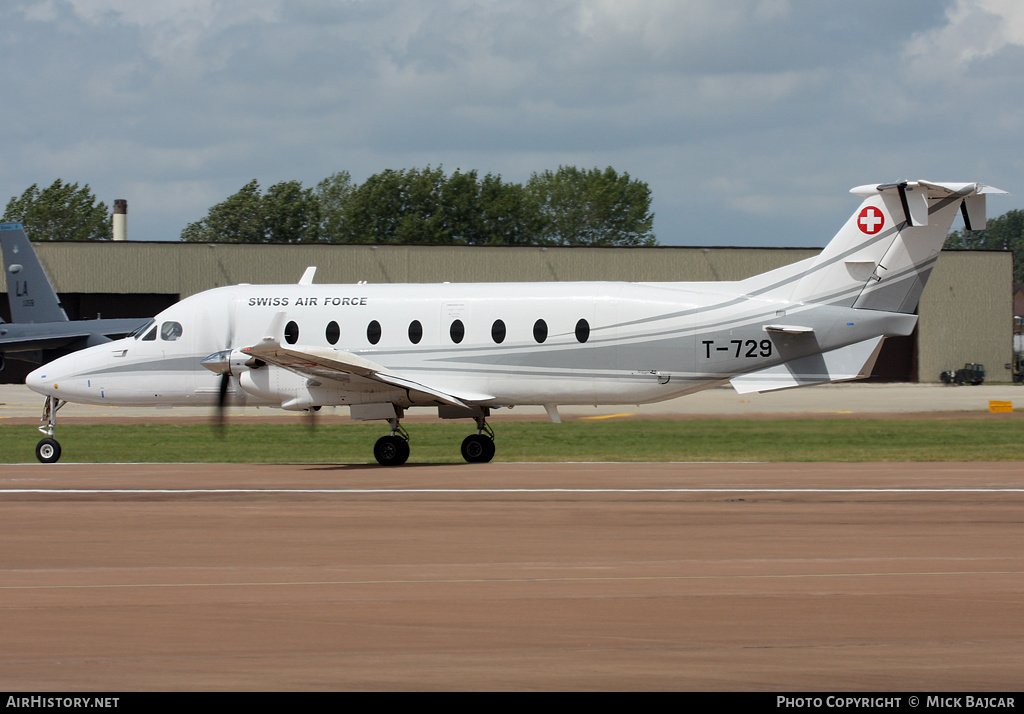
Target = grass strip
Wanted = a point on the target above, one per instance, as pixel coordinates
(817, 439)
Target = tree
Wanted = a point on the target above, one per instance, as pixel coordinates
(460, 219)
(291, 214)
(333, 195)
(426, 206)
(287, 213)
(1003, 233)
(508, 214)
(398, 207)
(63, 211)
(237, 219)
(592, 207)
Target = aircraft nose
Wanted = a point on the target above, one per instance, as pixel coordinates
(53, 379)
(41, 380)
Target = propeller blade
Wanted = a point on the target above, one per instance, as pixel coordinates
(222, 363)
(222, 402)
(311, 418)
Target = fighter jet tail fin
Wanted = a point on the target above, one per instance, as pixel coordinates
(31, 295)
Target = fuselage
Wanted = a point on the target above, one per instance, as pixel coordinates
(492, 344)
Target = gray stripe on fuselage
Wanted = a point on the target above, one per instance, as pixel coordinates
(170, 364)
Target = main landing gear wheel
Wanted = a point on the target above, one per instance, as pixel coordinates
(391, 450)
(48, 451)
(478, 448)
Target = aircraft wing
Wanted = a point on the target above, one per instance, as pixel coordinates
(14, 341)
(29, 337)
(331, 364)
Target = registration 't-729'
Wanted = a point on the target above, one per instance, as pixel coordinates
(737, 348)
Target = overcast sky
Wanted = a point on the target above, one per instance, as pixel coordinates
(750, 120)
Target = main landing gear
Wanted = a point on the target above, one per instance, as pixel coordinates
(48, 449)
(393, 450)
(478, 448)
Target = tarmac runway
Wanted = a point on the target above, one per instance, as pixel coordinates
(764, 577)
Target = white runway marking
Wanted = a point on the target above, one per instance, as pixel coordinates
(144, 491)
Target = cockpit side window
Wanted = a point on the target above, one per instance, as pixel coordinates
(170, 331)
(151, 335)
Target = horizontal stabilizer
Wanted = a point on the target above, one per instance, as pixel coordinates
(851, 362)
(913, 202)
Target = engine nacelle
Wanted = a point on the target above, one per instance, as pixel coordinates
(291, 390)
(298, 393)
(233, 362)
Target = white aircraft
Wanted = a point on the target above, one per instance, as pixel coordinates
(467, 349)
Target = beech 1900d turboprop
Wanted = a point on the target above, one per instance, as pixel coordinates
(467, 349)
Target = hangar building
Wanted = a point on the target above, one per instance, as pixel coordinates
(966, 311)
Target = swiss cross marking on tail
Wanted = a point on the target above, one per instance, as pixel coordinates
(870, 220)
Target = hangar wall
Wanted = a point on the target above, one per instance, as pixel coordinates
(188, 268)
(967, 315)
(966, 310)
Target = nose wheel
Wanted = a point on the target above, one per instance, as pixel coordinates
(48, 449)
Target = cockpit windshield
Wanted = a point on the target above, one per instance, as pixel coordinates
(142, 330)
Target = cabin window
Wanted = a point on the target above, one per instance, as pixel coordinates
(170, 331)
(457, 331)
(582, 331)
(332, 333)
(498, 331)
(373, 332)
(415, 332)
(540, 331)
(291, 333)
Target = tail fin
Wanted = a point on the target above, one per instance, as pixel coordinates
(29, 291)
(882, 257)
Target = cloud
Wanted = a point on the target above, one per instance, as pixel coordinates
(772, 108)
(975, 29)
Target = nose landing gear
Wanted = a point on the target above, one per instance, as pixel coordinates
(48, 449)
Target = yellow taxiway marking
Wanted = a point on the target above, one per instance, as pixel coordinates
(608, 416)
